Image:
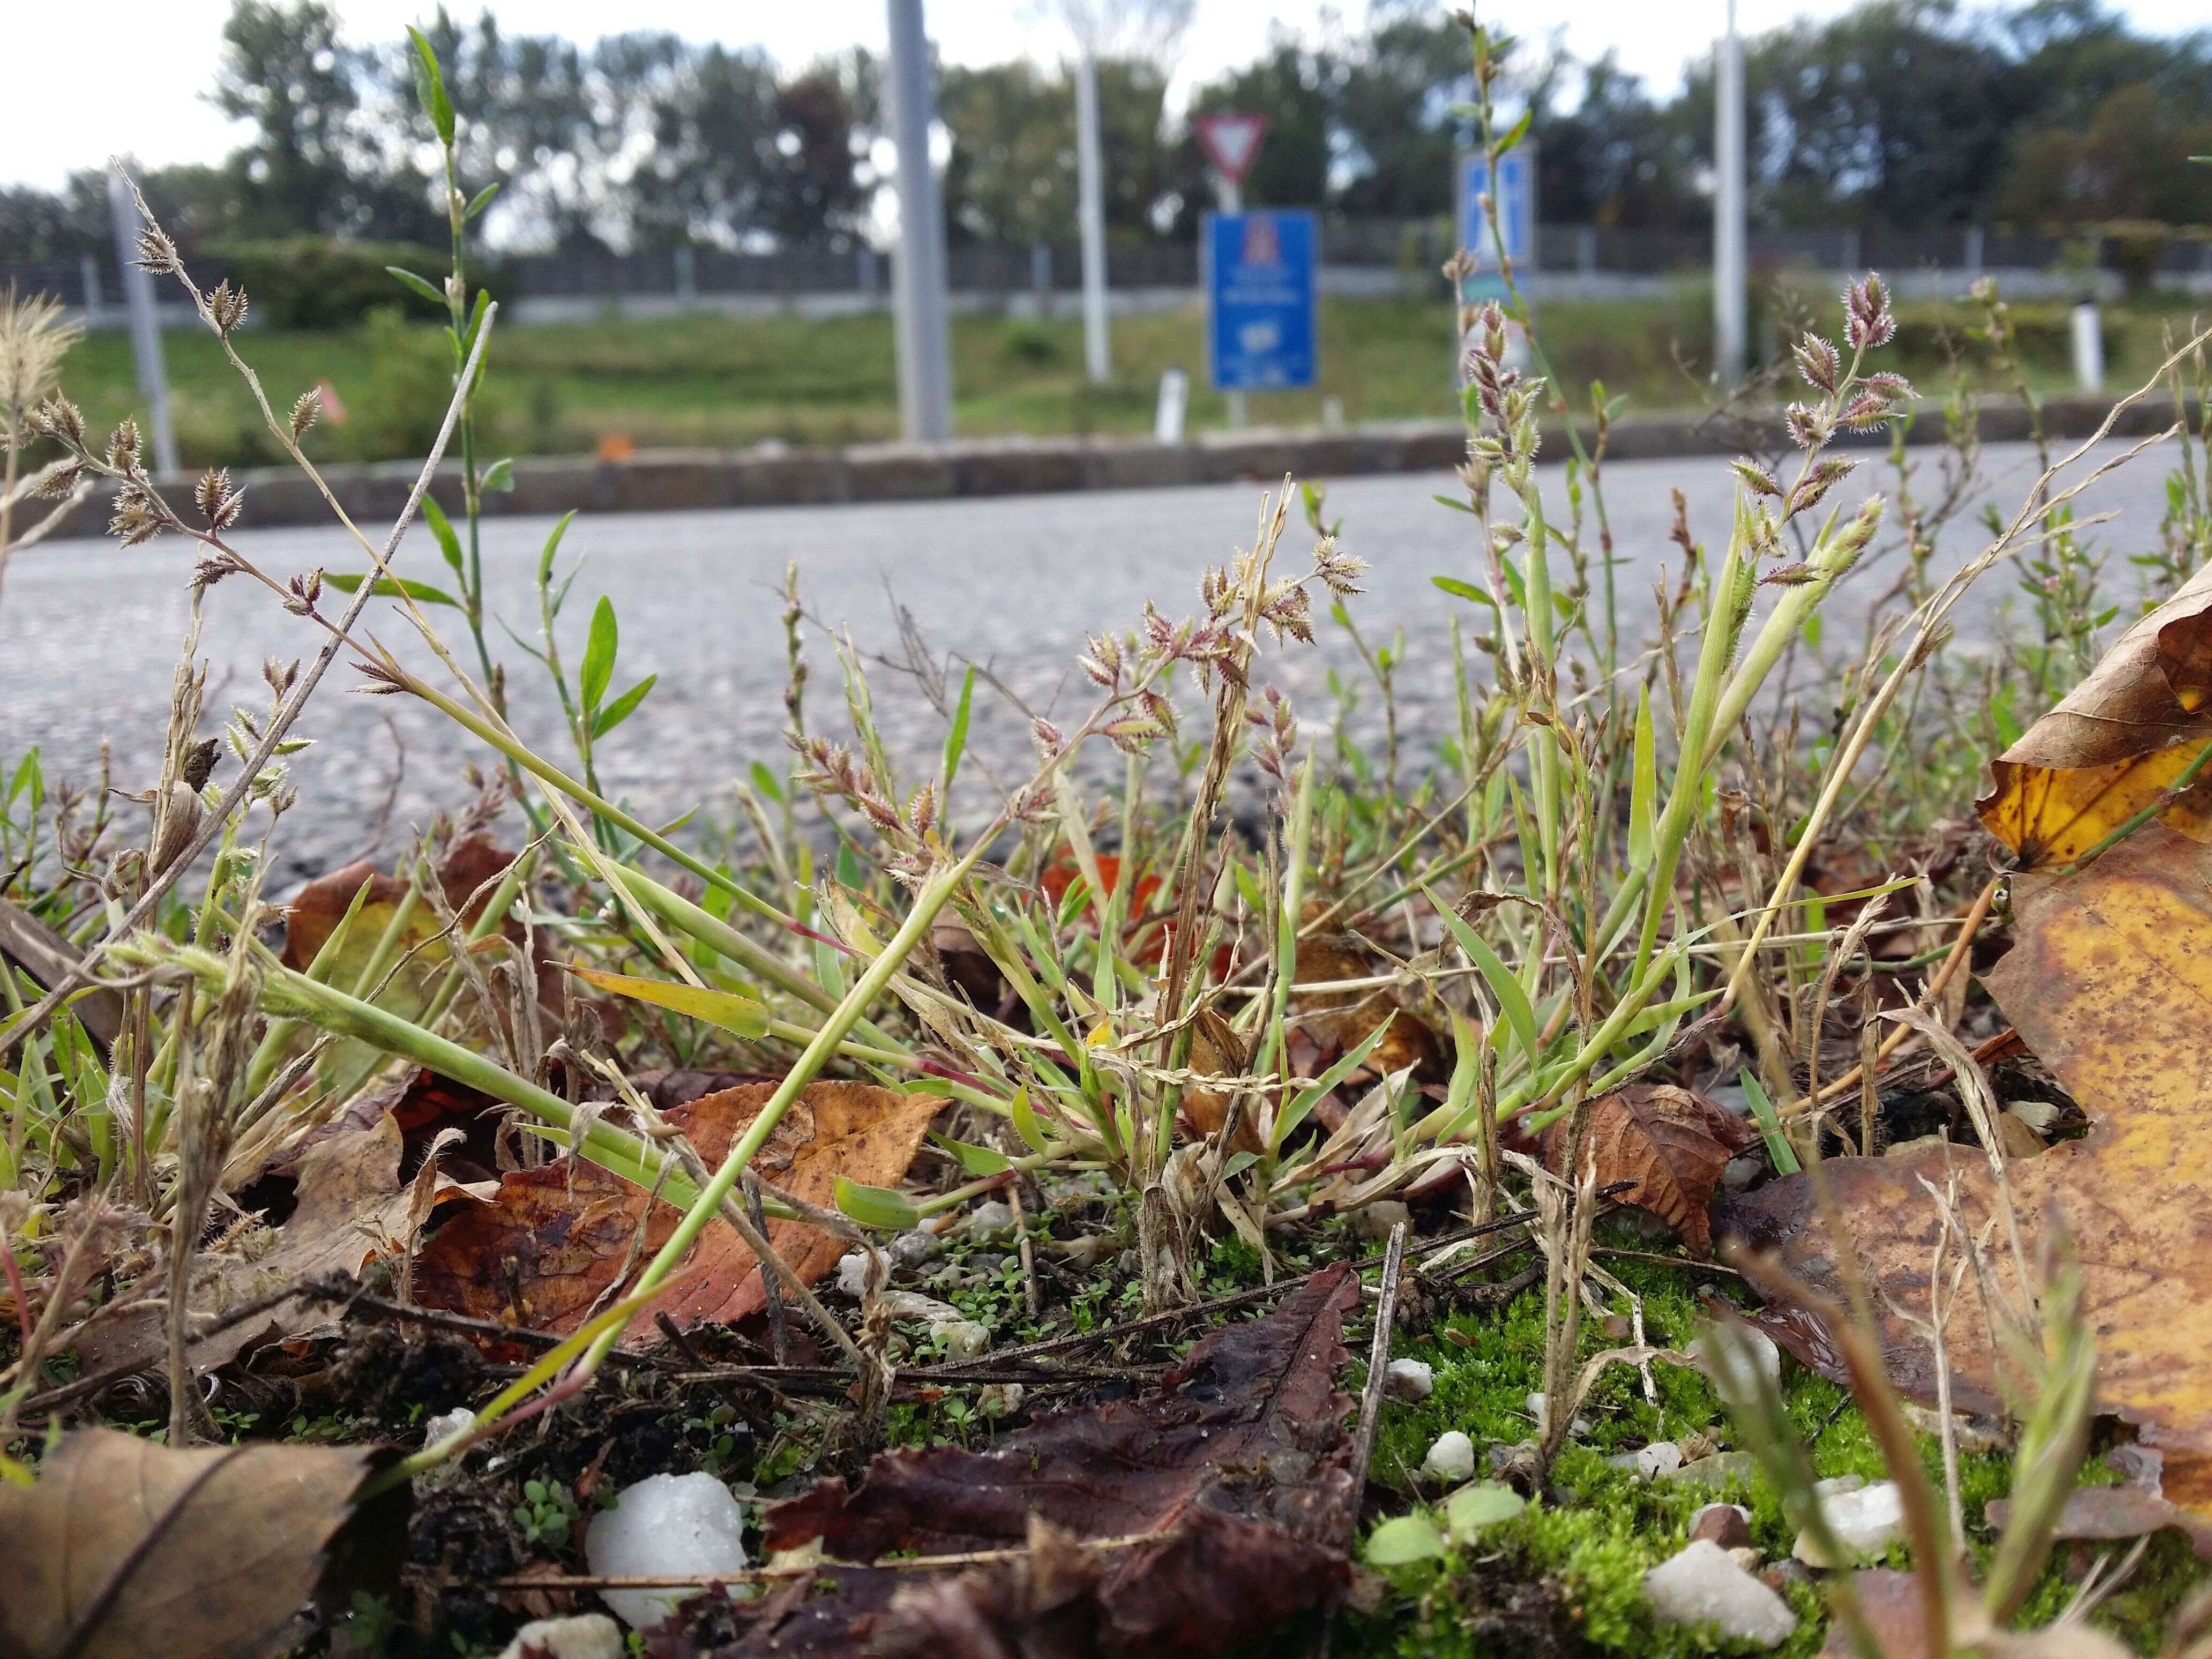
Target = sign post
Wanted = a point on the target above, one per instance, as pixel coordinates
(1231, 142)
(1262, 272)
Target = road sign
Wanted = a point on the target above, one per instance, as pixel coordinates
(1516, 207)
(1262, 271)
(1231, 141)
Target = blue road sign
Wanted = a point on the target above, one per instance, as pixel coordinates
(1262, 272)
(1516, 207)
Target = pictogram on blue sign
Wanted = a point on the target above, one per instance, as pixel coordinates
(1516, 209)
(1261, 277)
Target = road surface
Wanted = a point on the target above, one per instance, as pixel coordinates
(89, 632)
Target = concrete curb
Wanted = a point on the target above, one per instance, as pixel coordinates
(704, 480)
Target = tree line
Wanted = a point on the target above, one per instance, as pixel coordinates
(1906, 114)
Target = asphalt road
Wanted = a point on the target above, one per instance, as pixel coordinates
(88, 633)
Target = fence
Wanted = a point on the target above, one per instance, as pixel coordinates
(1359, 257)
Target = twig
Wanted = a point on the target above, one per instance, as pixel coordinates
(771, 1292)
(1378, 1364)
(1032, 1292)
(805, 1570)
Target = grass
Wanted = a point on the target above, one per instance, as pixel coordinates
(718, 382)
(1239, 978)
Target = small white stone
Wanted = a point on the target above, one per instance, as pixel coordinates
(963, 1339)
(1376, 1220)
(1660, 1457)
(990, 1217)
(1451, 1459)
(921, 1309)
(909, 1248)
(1409, 1379)
(1867, 1519)
(1707, 1353)
(1703, 1586)
(853, 1274)
(1539, 1410)
(580, 1636)
(666, 1524)
(996, 1400)
(446, 1423)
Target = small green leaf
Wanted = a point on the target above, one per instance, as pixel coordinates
(1456, 505)
(391, 587)
(1507, 989)
(976, 1160)
(599, 650)
(1770, 1125)
(1483, 1504)
(408, 278)
(880, 1207)
(481, 200)
(499, 477)
(622, 707)
(740, 1015)
(1025, 1122)
(1461, 590)
(956, 739)
(449, 544)
(553, 546)
(1404, 1539)
(430, 87)
(765, 780)
(1642, 789)
(1511, 141)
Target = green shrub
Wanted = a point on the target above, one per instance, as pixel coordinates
(1029, 340)
(322, 282)
(411, 380)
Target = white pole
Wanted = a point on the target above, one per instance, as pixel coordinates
(925, 355)
(1091, 181)
(1729, 258)
(1228, 196)
(145, 323)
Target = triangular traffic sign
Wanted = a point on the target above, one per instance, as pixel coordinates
(1231, 141)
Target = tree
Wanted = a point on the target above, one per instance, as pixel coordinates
(1395, 131)
(308, 166)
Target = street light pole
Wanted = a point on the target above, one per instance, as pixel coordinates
(1728, 257)
(1090, 183)
(925, 356)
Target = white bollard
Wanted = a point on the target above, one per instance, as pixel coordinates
(1175, 394)
(2089, 347)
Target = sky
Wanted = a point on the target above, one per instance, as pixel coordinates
(155, 57)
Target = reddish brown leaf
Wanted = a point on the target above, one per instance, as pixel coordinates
(1671, 1143)
(1239, 1463)
(124, 1548)
(554, 1237)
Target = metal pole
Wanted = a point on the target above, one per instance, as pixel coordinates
(1728, 261)
(1090, 183)
(145, 326)
(1230, 197)
(925, 356)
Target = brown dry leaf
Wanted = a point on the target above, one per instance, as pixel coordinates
(124, 1548)
(2110, 984)
(1239, 1462)
(1671, 1143)
(542, 1252)
(1217, 1050)
(352, 1210)
(1338, 1020)
(2116, 742)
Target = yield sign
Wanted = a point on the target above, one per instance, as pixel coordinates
(1232, 141)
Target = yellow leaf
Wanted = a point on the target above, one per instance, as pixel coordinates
(732, 1013)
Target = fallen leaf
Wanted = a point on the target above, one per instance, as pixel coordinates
(1338, 1020)
(123, 1547)
(352, 1210)
(2101, 1514)
(2109, 982)
(554, 1237)
(2116, 743)
(1218, 1050)
(1673, 1143)
(1239, 1462)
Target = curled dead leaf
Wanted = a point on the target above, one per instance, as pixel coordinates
(123, 1547)
(553, 1239)
(2116, 743)
(2110, 982)
(1673, 1143)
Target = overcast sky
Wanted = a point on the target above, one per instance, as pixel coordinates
(138, 90)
